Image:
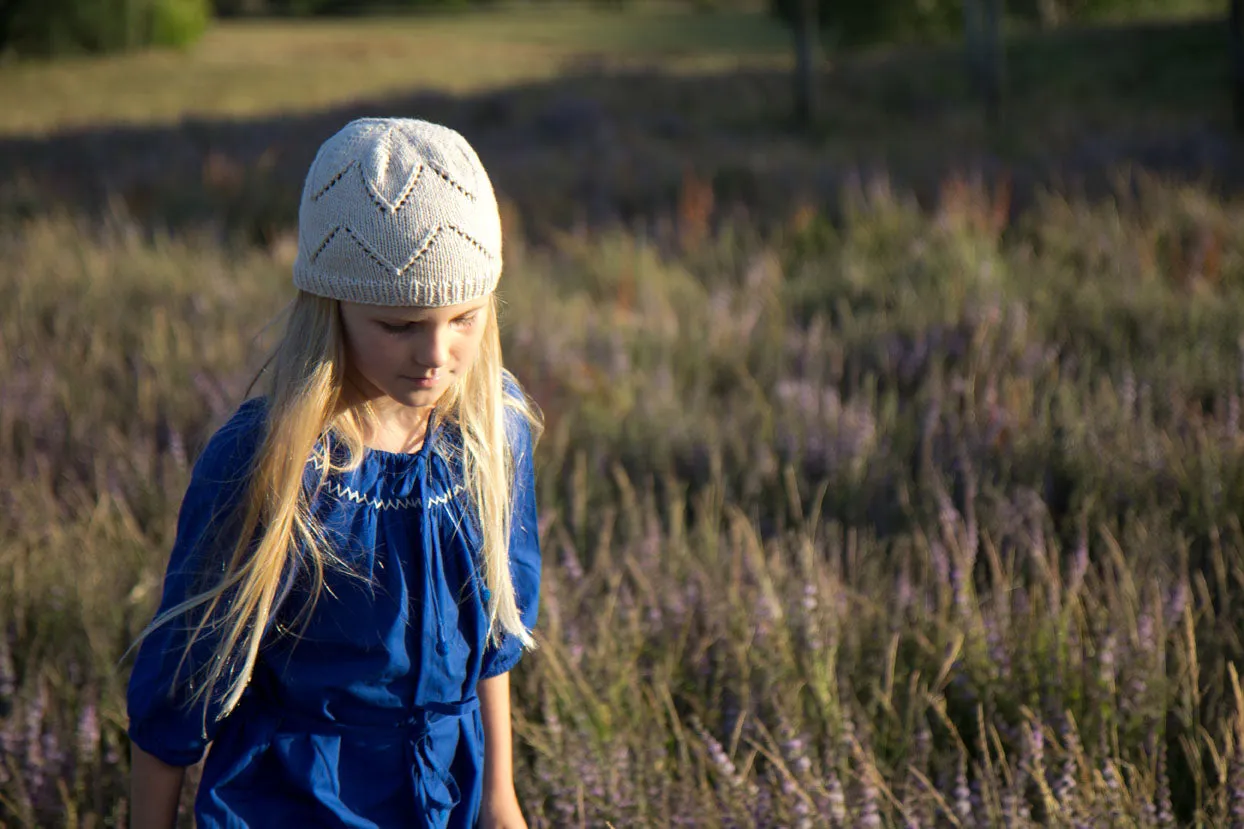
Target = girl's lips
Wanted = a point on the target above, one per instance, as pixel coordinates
(423, 382)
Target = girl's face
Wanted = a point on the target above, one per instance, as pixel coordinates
(411, 355)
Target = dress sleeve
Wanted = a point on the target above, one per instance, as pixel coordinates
(524, 553)
(162, 722)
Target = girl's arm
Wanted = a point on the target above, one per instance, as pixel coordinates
(155, 789)
(167, 734)
(499, 809)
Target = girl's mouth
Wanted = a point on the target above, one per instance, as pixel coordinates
(424, 382)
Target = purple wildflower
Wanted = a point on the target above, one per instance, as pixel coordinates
(1114, 793)
(1106, 663)
(88, 734)
(1176, 603)
(1235, 782)
(941, 562)
(963, 794)
(8, 677)
(836, 800)
(1127, 393)
(571, 565)
(1066, 787)
(870, 813)
(33, 742)
(796, 752)
(1165, 811)
(903, 593)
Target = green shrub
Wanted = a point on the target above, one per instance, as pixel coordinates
(56, 27)
(178, 22)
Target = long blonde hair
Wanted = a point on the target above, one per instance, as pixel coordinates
(307, 414)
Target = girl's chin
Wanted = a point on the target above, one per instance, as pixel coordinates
(418, 398)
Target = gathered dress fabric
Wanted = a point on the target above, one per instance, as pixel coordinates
(368, 716)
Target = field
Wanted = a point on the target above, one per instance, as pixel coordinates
(867, 500)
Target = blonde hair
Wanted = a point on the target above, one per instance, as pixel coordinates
(307, 415)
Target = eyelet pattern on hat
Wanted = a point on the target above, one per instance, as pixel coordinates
(398, 212)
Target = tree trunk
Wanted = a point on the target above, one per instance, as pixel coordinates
(991, 75)
(806, 36)
(982, 36)
(1049, 13)
(1236, 23)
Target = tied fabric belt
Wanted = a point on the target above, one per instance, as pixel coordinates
(435, 789)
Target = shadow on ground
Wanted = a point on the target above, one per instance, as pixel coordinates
(598, 148)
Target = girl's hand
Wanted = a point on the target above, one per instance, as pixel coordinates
(500, 810)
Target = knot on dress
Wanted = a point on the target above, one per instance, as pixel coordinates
(434, 786)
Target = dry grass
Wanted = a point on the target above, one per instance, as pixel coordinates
(909, 519)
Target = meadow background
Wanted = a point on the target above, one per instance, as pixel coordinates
(893, 467)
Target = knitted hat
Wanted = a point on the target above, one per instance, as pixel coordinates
(398, 212)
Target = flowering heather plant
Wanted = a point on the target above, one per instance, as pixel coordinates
(912, 519)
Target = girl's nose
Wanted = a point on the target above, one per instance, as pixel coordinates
(433, 351)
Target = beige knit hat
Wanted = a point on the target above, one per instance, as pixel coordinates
(397, 211)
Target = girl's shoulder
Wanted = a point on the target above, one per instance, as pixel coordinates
(229, 452)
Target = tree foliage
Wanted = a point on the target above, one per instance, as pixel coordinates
(303, 8)
(57, 27)
(855, 22)
(858, 22)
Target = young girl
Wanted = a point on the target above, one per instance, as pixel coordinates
(357, 565)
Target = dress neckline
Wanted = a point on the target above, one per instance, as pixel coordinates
(385, 455)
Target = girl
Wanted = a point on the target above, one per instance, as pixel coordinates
(357, 565)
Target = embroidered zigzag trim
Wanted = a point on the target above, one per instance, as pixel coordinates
(351, 494)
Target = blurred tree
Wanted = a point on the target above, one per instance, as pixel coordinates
(806, 60)
(55, 27)
(310, 8)
(982, 37)
(235, 8)
(1050, 14)
(860, 22)
(8, 10)
(1236, 22)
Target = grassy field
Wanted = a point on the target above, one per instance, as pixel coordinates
(270, 67)
(600, 119)
(857, 510)
(264, 68)
(907, 521)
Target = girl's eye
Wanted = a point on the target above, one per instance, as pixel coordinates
(396, 327)
(403, 327)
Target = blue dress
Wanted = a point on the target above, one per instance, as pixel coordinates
(370, 717)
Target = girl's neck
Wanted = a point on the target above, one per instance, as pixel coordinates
(398, 438)
(395, 428)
